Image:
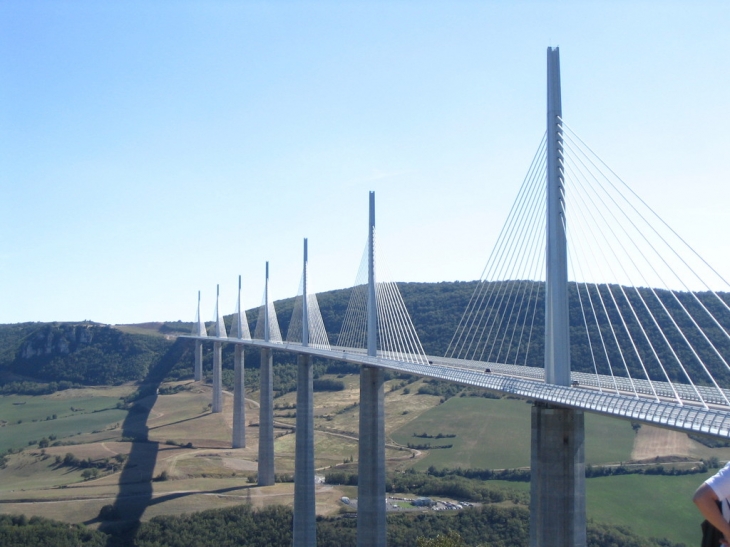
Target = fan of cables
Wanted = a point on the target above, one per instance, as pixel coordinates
(647, 314)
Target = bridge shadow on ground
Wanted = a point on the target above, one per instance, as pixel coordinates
(135, 481)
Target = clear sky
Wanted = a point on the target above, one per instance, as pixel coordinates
(149, 150)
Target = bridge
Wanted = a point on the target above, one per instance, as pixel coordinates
(658, 355)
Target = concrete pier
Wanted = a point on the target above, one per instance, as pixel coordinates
(239, 400)
(217, 378)
(266, 420)
(371, 451)
(198, 369)
(371, 460)
(557, 486)
(305, 526)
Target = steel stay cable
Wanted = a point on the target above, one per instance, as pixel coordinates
(467, 313)
(598, 325)
(259, 332)
(656, 296)
(536, 263)
(613, 297)
(624, 324)
(676, 299)
(362, 294)
(669, 345)
(532, 229)
(540, 273)
(383, 333)
(529, 338)
(391, 322)
(316, 323)
(531, 283)
(294, 331)
(487, 296)
(474, 306)
(501, 265)
(388, 343)
(517, 266)
(633, 285)
(615, 338)
(407, 324)
(394, 325)
(355, 315)
(722, 302)
(580, 186)
(689, 291)
(585, 324)
(537, 266)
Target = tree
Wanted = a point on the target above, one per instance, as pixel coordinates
(451, 539)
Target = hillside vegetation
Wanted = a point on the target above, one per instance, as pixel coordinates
(78, 353)
(92, 354)
(271, 527)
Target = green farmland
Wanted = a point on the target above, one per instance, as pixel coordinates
(26, 418)
(495, 434)
(651, 505)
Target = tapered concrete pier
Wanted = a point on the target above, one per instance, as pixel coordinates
(557, 486)
(198, 370)
(239, 399)
(371, 452)
(266, 421)
(371, 531)
(305, 523)
(217, 405)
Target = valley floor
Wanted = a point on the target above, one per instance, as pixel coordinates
(186, 464)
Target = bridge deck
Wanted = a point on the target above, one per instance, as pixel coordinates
(527, 382)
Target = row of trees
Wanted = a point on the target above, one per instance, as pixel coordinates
(496, 526)
(60, 355)
(450, 486)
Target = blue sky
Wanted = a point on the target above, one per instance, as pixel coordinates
(149, 150)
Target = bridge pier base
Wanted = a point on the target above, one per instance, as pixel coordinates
(217, 378)
(198, 369)
(305, 526)
(239, 400)
(557, 486)
(371, 460)
(266, 420)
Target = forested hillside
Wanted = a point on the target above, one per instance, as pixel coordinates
(271, 527)
(77, 353)
(89, 353)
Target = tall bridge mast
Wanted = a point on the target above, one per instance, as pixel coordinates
(371, 452)
(557, 487)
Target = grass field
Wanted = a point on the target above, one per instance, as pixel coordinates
(489, 434)
(651, 505)
(495, 434)
(26, 418)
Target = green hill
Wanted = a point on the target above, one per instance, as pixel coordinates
(89, 353)
(77, 353)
